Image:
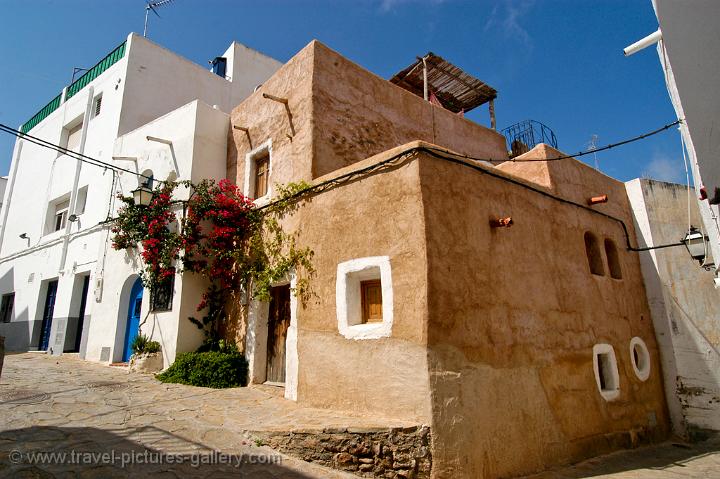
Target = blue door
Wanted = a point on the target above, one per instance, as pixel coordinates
(133, 320)
(48, 315)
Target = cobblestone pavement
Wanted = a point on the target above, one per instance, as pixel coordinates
(670, 460)
(80, 409)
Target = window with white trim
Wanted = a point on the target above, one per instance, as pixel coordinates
(258, 172)
(364, 298)
(605, 367)
(640, 358)
(73, 136)
(61, 215)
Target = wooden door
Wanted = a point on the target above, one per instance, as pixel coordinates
(278, 323)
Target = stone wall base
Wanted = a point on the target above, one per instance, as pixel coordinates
(372, 452)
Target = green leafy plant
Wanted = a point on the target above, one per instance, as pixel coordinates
(211, 369)
(142, 344)
(224, 237)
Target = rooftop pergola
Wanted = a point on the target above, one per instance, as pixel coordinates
(455, 90)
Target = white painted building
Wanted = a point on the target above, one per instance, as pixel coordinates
(683, 303)
(62, 287)
(688, 46)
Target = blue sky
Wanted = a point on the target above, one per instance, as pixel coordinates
(558, 62)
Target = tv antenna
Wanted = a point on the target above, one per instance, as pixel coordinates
(592, 146)
(153, 6)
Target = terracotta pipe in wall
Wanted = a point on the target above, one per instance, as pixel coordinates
(595, 200)
(501, 222)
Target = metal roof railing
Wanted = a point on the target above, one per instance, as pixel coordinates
(523, 136)
(94, 72)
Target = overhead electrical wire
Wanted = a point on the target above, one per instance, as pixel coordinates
(74, 154)
(436, 152)
(400, 158)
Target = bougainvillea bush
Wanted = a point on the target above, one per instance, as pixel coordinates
(222, 236)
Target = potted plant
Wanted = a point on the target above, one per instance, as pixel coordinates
(147, 355)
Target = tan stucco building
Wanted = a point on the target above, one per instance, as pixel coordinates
(520, 347)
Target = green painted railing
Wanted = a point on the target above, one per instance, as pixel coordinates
(112, 58)
(42, 114)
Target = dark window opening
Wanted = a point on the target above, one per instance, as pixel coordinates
(592, 249)
(613, 259)
(8, 300)
(162, 295)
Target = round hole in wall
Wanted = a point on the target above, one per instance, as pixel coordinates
(640, 358)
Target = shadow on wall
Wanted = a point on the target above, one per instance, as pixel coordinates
(18, 332)
(32, 448)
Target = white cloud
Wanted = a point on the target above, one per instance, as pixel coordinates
(506, 18)
(664, 168)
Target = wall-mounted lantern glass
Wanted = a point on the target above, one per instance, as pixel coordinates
(143, 195)
(695, 242)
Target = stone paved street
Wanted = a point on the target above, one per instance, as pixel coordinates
(65, 405)
(671, 460)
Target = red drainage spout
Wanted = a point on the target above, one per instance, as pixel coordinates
(596, 200)
(501, 222)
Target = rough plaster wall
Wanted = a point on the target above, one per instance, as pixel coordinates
(376, 216)
(513, 317)
(358, 114)
(685, 300)
(268, 120)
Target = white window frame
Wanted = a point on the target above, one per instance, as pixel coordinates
(250, 170)
(348, 297)
(63, 212)
(607, 349)
(643, 373)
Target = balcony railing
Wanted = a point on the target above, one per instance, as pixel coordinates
(112, 58)
(525, 135)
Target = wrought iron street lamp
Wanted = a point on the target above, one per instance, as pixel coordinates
(143, 195)
(695, 242)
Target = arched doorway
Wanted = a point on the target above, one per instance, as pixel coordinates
(133, 318)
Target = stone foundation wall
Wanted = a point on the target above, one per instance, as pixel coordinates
(387, 453)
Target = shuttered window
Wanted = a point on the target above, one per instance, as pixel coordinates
(261, 175)
(98, 106)
(73, 138)
(371, 301)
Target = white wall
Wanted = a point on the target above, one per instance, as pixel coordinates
(199, 143)
(684, 304)
(690, 55)
(163, 81)
(147, 83)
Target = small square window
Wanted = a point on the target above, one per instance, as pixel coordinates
(8, 301)
(61, 215)
(364, 298)
(161, 297)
